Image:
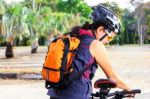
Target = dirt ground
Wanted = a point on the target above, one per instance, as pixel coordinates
(132, 63)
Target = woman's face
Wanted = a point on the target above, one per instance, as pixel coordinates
(101, 32)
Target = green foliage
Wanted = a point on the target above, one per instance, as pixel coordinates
(42, 40)
(129, 36)
(26, 41)
(35, 19)
(2, 7)
(142, 12)
(1, 39)
(63, 22)
(147, 20)
(74, 6)
(11, 20)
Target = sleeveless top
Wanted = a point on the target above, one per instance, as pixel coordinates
(80, 88)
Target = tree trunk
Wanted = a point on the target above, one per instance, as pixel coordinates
(9, 53)
(34, 47)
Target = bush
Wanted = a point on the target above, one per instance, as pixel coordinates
(2, 41)
(42, 40)
(26, 41)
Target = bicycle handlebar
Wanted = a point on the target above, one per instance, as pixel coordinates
(124, 93)
(120, 94)
(104, 86)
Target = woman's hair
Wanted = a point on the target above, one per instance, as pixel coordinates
(92, 26)
(75, 31)
(87, 26)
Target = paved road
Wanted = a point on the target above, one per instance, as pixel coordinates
(22, 89)
(131, 63)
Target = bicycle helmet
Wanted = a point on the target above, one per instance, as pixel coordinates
(102, 15)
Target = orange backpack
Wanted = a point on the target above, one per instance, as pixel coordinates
(58, 60)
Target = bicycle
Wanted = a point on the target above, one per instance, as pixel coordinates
(105, 85)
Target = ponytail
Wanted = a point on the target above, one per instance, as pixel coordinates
(75, 31)
(92, 26)
(87, 26)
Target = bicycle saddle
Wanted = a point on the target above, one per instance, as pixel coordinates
(104, 83)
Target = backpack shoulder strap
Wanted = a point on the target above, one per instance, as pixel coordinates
(66, 50)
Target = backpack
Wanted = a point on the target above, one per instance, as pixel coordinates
(57, 65)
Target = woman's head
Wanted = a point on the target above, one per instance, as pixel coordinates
(105, 24)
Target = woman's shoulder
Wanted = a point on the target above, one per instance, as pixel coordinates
(96, 43)
(96, 47)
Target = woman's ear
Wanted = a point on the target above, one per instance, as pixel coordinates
(100, 29)
(99, 32)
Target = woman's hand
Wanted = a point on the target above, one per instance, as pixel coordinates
(130, 96)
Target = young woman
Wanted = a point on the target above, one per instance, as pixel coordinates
(91, 52)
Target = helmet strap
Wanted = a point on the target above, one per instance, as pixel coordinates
(103, 37)
(93, 31)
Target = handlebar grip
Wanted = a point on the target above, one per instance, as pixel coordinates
(136, 91)
(123, 93)
(132, 91)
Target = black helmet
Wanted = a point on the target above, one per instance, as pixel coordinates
(106, 17)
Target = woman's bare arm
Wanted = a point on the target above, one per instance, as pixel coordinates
(98, 50)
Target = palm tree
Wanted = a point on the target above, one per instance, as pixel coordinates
(11, 24)
(1, 14)
(6, 29)
(34, 21)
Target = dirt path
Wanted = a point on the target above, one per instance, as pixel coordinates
(131, 62)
